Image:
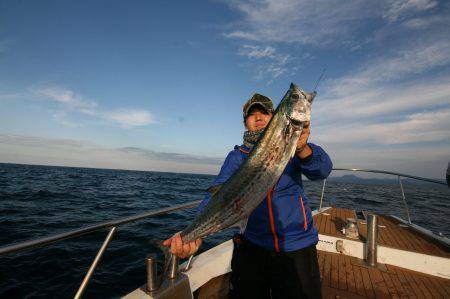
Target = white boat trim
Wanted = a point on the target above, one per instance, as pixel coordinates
(209, 264)
(428, 264)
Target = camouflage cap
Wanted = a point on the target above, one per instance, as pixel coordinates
(257, 99)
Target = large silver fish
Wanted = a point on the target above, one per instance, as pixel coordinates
(246, 189)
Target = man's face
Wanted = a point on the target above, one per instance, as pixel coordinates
(257, 119)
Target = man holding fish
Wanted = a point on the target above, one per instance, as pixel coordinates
(275, 256)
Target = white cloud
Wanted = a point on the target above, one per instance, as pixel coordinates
(129, 118)
(257, 52)
(125, 117)
(61, 118)
(425, 22)
(420, 127)
(425, 160)
(332, 24)
(241, 34)
(392, 112)
(270, 63)
(399, 8)
(304, 22)
(68, 152)
(415, 59)
(66, 97)
(380, 100)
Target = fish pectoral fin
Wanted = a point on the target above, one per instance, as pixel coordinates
(214, 189)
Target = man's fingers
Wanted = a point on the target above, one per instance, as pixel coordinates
(167, 242)
(175, 246)
(186, 249)
(180, 249)
(192, 248)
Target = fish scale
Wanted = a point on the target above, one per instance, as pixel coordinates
(248, 187)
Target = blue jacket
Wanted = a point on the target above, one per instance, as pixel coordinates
(283, 220)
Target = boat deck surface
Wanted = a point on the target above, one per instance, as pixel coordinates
(391, 233)
(344, 276)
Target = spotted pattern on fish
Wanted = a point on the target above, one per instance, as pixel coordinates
(245, 190)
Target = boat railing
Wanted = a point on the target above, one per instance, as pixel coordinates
(112, 225)
(399, 177)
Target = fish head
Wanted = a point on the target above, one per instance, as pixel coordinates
(298, 105)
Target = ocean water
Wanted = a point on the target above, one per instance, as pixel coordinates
(37, 201)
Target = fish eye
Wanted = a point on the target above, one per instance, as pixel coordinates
(295, 96)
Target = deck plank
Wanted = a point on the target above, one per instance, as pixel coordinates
(348, 277)
(327, 270)
(342, 272)
(334, 272)
(380, 287)
(359, 281)
(433, 284)
(405, 284)
(391, 233)
(397, 284)
(415, 287)
(367, 283)
(390, 285)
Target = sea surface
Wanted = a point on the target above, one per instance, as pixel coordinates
(37, 201)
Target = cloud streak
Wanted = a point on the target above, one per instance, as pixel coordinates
(271, 63)
(316, 23)
(415, 60)
(304, 22)
(421, 127)
(69, 152)
(266, 25)
(399, 8)
(69, 100)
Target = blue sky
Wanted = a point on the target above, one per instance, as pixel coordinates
(153, 85)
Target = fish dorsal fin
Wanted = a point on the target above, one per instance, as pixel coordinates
(214, 189)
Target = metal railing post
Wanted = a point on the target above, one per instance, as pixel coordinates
(152, 275)
(94, 263)
(372, 240)
(188, 264)
(404, 199)
(321, 195)
(173, 268)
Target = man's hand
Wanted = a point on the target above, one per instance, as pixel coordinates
(303, 150)
(180, 249)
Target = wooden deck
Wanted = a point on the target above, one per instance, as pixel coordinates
(391, 232)
(345, 277)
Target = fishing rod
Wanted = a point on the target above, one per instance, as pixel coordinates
(320, 78)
